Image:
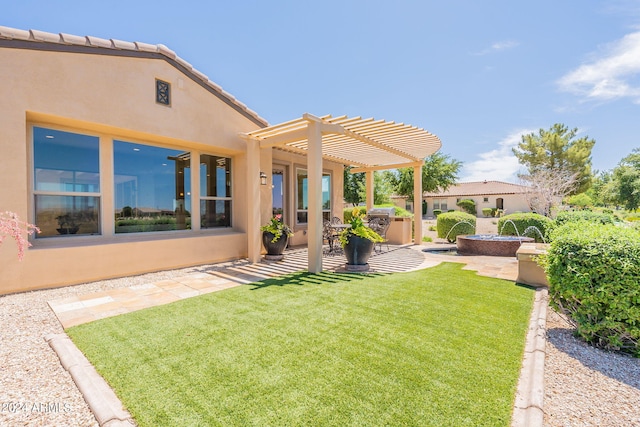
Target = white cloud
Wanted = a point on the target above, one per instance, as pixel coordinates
(610, 76)
(499, 46)
(499, 164)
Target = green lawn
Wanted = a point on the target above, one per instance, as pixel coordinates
(439, 347)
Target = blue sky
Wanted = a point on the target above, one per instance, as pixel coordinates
(476, 73)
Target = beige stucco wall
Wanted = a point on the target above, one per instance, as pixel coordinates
(110, 97)
(511, 202)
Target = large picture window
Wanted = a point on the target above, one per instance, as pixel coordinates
(215, 191)
(66, 183)
(152, 188)
(149, 187)
(302, 196)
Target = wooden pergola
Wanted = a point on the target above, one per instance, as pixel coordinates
(367, 145)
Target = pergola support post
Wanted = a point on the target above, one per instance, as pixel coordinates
(253, 196)
(369, 184)
(314, 188)
(417, 205)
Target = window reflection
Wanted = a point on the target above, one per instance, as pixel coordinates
(66, 183)
(152, 188)
(302, 203)
(215, 191)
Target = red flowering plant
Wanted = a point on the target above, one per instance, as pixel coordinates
(11, 226)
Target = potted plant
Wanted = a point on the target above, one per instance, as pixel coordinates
(357, 242)
(275, 236)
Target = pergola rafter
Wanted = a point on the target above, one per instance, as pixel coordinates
(366, 144)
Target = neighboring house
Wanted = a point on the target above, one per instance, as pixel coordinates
(130, 160)
(487, 194)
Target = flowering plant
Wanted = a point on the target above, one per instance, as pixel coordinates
(358, 229)
(11, 226)
(277, 228)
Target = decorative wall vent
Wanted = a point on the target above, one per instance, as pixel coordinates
(163, 92)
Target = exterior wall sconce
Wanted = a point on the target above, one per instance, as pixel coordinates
(263, 178)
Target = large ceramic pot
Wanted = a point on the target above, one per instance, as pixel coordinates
(277, 247)
(358, 250)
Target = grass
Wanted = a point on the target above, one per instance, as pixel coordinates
(440, 347)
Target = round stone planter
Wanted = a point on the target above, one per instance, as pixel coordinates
(274, 249)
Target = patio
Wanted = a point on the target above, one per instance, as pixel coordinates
(195, 281)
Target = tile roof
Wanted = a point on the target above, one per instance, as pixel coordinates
(480, 188)
(34, 39)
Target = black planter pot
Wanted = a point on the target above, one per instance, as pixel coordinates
(277, 247)
(358, 250)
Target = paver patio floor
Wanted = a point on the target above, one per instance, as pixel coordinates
(214, 277)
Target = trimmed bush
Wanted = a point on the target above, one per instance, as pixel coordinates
(594, 276)
(437, 212)
(522, 222)
(487, 212)
(584, 215)
(468, 206)
(447, 221)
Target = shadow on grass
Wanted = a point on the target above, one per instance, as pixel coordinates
(304, 278)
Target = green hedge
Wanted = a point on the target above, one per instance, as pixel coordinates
(594, 276)
(522, 222)
(487, 212)
(446, 221)
(468, 206)
(572, 216)
(437, 212)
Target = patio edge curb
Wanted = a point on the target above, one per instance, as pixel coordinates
(528, 409)
(102, 401)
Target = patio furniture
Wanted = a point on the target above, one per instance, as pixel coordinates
(380, 225)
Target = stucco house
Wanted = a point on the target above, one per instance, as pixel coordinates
(130, 160)
(487, 194)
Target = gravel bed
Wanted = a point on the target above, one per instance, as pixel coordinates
(584, 386)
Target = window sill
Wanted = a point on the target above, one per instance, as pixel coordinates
(97, 240)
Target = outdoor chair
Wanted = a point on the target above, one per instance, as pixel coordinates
(380, 226)
(329, 235)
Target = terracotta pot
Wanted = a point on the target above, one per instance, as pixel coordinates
(358, 250)
(277, 247)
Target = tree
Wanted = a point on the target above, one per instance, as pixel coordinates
(547, 188)
(558, 151)
(627, 177)
(438, 173)
(354, 187)
(383, 187)
(603, 189)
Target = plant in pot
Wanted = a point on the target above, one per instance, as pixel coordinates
(357, 242)
(275, 236)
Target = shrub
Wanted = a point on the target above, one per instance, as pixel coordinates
(572, 216)
(447, 221)
(468, 206)
(594, 276)
(437, 212)
(347, 213)
(522, 223)
(487, 212)
(581, 200)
